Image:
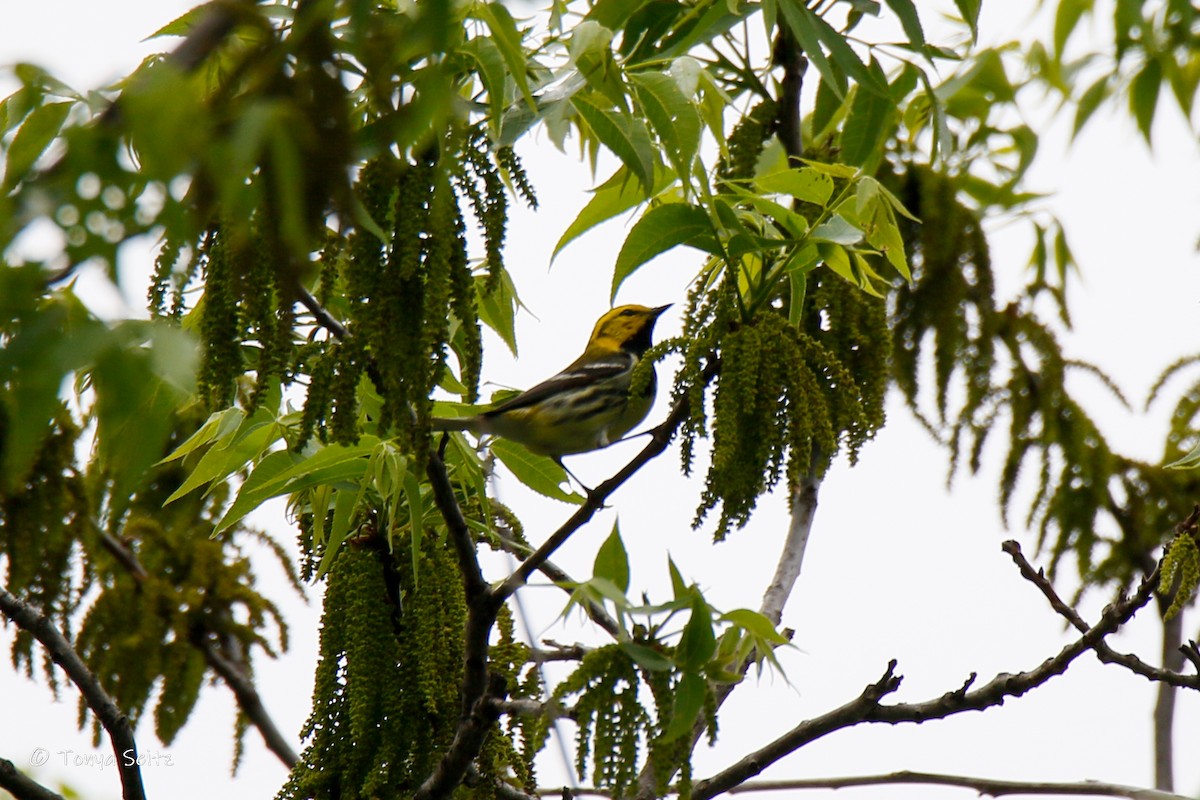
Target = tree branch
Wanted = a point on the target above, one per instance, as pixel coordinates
(1103, 651)
(984, 786)
(868, 708)
(114, 721)
(248, 699)
(560, 577)
(21, 786)
(804, 509)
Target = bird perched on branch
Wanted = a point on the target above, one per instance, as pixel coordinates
(586, 406)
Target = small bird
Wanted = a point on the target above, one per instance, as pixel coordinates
(586, 406)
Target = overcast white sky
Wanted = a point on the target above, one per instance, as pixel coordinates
(897, 567)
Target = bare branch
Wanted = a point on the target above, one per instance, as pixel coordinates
(248, 699)
(984, 786)
(867, 707)
(852, 713)
(21, 786)
(114, 721)
(804, 509)
(559, 652)
(1103, 650)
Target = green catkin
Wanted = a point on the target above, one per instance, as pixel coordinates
(221, 361)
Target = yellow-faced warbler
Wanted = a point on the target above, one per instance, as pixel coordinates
(586, 406)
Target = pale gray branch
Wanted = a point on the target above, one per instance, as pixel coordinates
(984, 786)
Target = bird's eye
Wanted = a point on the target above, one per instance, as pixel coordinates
(629, 312)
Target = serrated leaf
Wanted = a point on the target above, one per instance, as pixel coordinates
(344, 503)
(612, 562)
(802, 27)
(843, 54)
(906, 10)
(807, 184)
(627, 137)
(331, 464)
(660, 229)
(492, 75)
(866, 130)
(674, 118)
(615, 196)
(539, 473)
(836, 230)
(508, 39)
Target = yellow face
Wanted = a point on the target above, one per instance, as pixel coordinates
(626, 327)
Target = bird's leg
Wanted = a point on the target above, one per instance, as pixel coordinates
(586, 490)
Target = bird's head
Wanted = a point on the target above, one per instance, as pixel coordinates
(626, 328)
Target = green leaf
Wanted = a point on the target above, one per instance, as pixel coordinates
(800, 22)
(1066, 18)
(1189, 461)
(627, 137)
(539, 473)
(844, 55)
(867, 126)
(698, 642)
(969, 9)
(672, 115)
(615, 196)
(837, 231)
(754, 623)
(33, 137)
(331, 464)
(612, 562)
(647, 657)
(498, 307)
(1089, 101)
(660, 229)
(219, 425)
(1143, 96)
(254, 436)
(492, 75)
(590, 49)
(344, 503)
(508, 40)
(827, 108)
(807, 184)
(678, 586)
(689, 702)
(906, 10)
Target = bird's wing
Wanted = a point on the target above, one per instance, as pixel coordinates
(576, 376)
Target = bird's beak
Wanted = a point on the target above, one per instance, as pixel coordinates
(657, 311)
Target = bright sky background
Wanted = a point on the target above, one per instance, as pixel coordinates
(897, 567)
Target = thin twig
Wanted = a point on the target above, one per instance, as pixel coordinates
(1103, 650)
(984, 786)
(868, 708)
(114, 721)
